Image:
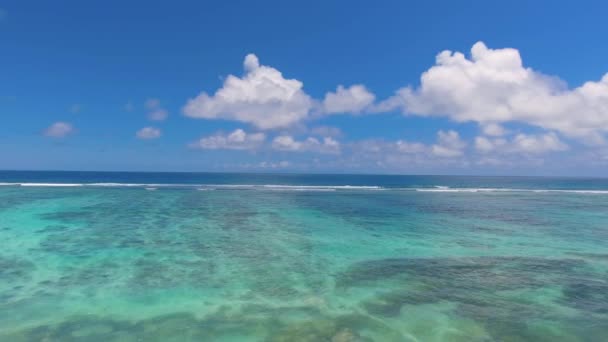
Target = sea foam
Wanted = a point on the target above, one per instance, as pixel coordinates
(281, 187)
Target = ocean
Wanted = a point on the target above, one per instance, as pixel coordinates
(110, 256)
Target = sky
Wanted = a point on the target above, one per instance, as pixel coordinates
(396, 87)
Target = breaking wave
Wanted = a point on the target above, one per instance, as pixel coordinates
(477, 190)
(202, 187)
(321, 188)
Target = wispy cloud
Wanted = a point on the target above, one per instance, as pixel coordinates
(59, 130)
(521, 143)
(75, 108)
(148, 133)
(310, 144)
(236, 140)
(129, 106)
(155, 111)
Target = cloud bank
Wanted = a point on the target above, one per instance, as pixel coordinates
(493, 87)
(519, 111)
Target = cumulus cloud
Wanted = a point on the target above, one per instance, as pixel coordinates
(521, 143)
(403, 146)
(286, 143)
(310, 144)
(148, 133)
(59, 130)
(408, 156)
(448, 144)
(262, 97)
(236, 140)
(354, 99)
(493, 129)
(155, 111)
(493, 87)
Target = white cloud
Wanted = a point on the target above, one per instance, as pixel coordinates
(152, 103)
(262, 97)
(539, 143)
(59, 130)
(448, 144)
(378, 146)
(493, 129)
(273, 165)
(408, 156)
(288, 143)
(521, 143)
(158, 115)
(251, 62)
(410, 147)
(148, 133)
(493, 87)
(236, 140)
(155, 111)
(354, 99)
(329, 145)
(486, 145)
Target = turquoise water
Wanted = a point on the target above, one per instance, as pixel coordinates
(213, 257)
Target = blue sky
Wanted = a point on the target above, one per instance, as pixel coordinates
(448, 87)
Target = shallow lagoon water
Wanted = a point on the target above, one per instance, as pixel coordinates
(306, 262)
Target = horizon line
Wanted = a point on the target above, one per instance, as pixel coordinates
(310, 173)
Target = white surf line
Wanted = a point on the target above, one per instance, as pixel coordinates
(475, 190)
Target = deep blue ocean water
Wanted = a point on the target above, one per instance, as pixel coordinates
(97, 256)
